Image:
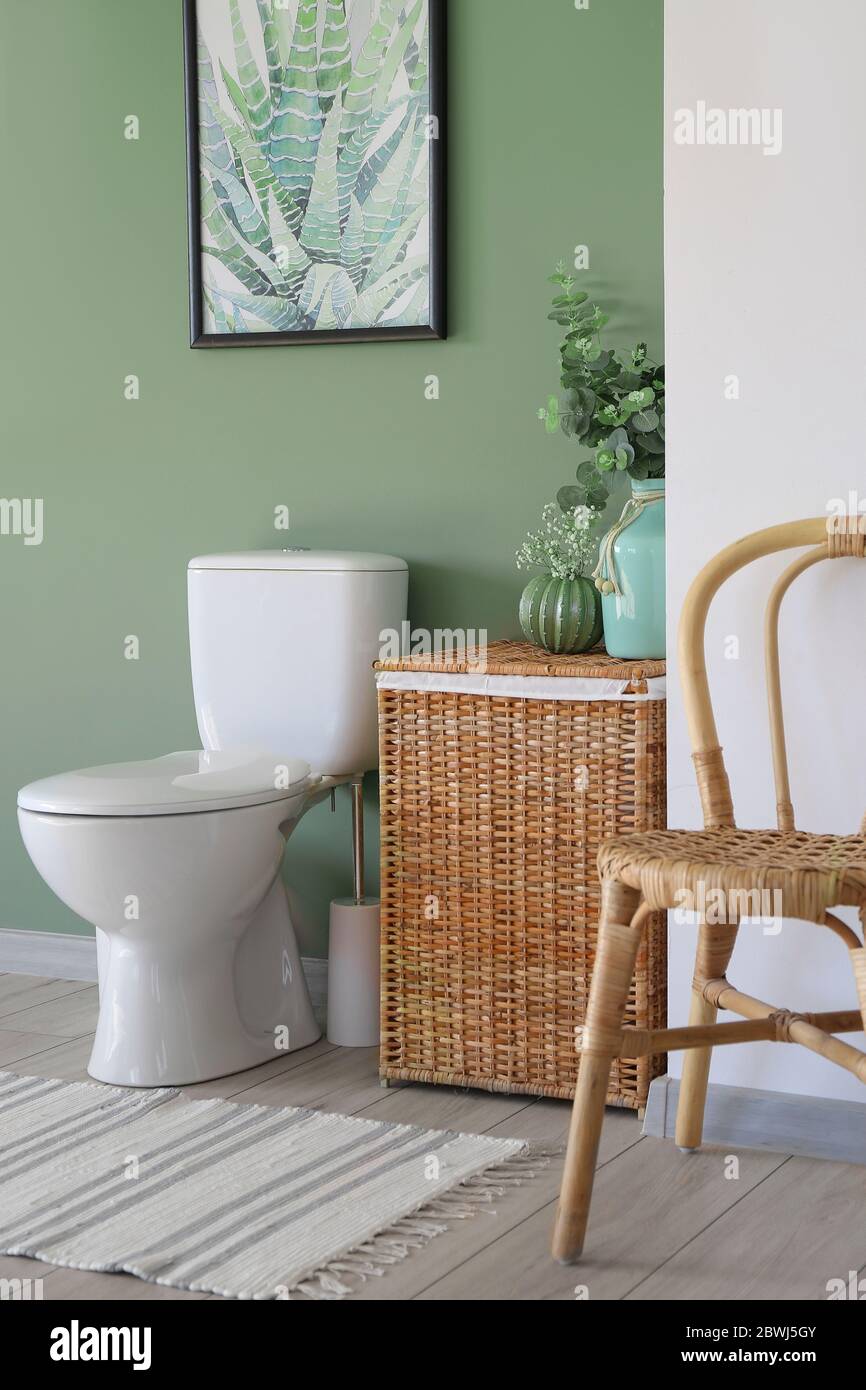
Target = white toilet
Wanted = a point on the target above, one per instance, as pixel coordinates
(176, 860)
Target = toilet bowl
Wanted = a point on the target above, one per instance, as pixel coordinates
(199, 971)
(176, 861)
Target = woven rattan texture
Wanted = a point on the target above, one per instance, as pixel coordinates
(523, 659)
(812, 873)
(493, 811)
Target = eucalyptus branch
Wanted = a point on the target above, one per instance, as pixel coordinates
(614, 404)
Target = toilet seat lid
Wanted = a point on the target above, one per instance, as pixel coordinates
(176, 784)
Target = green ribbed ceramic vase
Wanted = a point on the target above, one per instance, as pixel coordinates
(561, 615)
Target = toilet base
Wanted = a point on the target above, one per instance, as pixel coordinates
(255, 1056)
(178, 1018)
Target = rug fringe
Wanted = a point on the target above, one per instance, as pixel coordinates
(416, 1230)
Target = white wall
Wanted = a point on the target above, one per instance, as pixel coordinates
(766, 279)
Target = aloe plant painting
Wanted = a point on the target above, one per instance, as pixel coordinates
(316, 149)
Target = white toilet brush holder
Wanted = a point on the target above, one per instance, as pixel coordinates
(353, 952)
(353, 974)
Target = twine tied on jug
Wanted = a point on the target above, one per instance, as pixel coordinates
(634, 507)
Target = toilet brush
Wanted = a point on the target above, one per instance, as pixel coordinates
(353, 952)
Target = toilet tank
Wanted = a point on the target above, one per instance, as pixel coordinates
(281, 646)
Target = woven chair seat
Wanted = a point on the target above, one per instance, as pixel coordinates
(813, 873)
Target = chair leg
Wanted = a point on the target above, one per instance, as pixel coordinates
(618, 940)
(858, 960)
(715, 948)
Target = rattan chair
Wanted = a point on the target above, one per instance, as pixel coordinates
(640, 873)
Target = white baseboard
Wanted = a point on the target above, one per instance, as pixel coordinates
(316, 972)
(737, 1117)
(50, 954)
(59, 957)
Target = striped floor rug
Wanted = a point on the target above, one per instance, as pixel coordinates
(239, 1200)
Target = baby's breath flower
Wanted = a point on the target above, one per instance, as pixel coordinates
(565, 546)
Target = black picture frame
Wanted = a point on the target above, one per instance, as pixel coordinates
(437, 328)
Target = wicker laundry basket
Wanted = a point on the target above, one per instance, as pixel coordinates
(498, 785)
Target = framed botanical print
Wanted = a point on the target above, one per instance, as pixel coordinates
(315, 152)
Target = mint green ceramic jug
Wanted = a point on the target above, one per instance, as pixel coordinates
(631, 575)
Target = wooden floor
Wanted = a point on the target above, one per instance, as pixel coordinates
(664, 1225)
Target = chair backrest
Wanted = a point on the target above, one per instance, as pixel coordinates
(834, 539)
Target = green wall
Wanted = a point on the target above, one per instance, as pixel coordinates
(555, 120)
